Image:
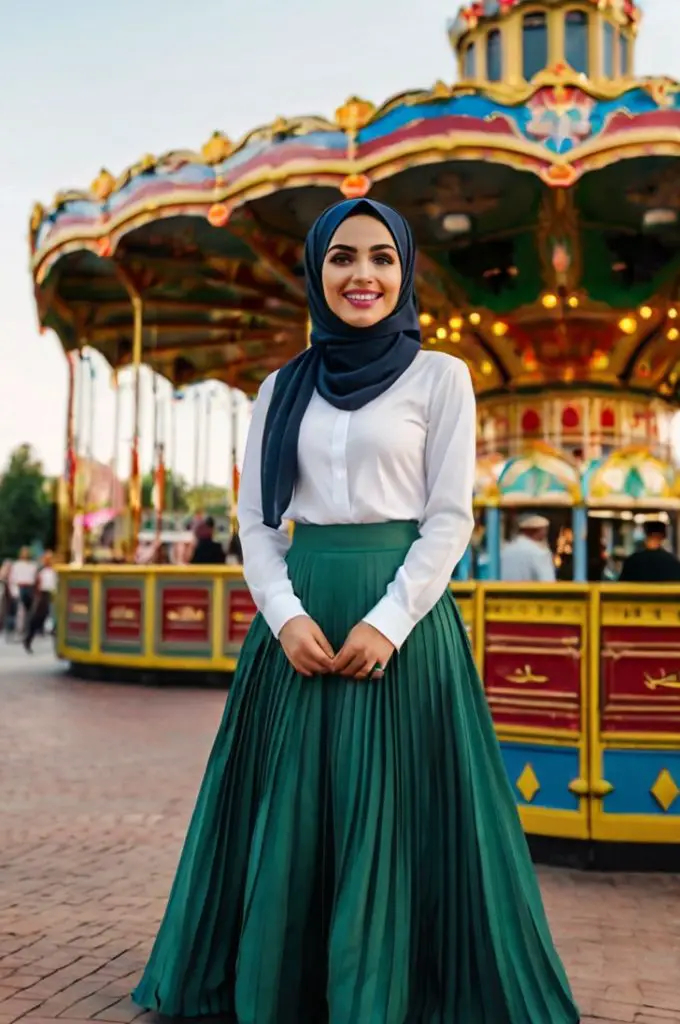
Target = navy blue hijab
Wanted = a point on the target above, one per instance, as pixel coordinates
(348, 366)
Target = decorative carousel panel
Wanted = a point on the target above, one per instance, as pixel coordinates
(640, 666)
(633, 476)
(488, 469)
(640, 795)
(534, 660)
(239, 612)
(123, 615)
(184, 614)
(77, 625)
(541, 476)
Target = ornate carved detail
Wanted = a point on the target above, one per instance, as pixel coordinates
(354, 114)
(103, 185)
(217, 148)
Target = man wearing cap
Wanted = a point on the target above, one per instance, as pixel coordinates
(527, 558)
(654, 564)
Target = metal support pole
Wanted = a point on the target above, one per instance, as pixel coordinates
(493, 541)
(579, 525)
(135, 474)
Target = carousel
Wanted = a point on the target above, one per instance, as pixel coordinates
(543, 189)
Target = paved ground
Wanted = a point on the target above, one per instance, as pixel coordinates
(96, 785)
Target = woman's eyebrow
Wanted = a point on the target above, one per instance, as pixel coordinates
(353, 248)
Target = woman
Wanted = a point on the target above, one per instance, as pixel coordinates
(355, 855)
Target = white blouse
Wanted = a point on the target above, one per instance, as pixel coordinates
(407, 455)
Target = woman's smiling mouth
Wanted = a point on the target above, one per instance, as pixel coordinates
(362, 299)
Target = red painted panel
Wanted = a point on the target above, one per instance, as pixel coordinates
(241, 611)
(185, 614)
(123, 613)
(640, 679)
(78, 611)
(532, 674)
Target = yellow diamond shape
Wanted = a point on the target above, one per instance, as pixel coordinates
(665, 791)
(528, 784)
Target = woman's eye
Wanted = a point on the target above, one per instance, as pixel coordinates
(386, 260)
(340, 258)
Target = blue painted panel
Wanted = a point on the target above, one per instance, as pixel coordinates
(632, 773)
(554, 767)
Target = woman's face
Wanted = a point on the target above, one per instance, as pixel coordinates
(361, 273)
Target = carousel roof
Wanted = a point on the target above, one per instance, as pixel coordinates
(547, 216)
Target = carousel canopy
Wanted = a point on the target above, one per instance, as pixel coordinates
(541, 476)
(632, 478)
(545, 207)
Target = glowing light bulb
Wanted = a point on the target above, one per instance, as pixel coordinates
(673, 313)
(646, 312)
(573, 301)
(426, 319)
(550, 301)
(673, 334)
(455, 323)
(441, 333)
(500, 329)
(432, 341)
(455, 336)
(475, 319)
(628, 324)
(486, 368)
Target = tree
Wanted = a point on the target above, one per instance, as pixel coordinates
(24, 504)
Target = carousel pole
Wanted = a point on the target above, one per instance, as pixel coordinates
(135, 486)
(115, 459)
(206, 453)
(172, 457)
(135, 476)
(235, 475)
(197, 436)
(70, 468)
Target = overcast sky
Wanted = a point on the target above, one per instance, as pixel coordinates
(85, 85)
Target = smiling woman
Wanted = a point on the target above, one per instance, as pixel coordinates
(355, 854)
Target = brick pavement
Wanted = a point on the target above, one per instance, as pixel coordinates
(96, 786)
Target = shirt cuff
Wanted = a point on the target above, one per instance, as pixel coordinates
(280, 610)
(390, 619)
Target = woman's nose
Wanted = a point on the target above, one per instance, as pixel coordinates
(363, 271)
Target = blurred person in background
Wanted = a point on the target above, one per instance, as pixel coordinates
(527, 558)
(44, 591)
(654, 563)
(8, 604)
(207, 551)
(22, 578)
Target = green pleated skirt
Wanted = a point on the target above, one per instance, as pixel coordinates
(355, 855)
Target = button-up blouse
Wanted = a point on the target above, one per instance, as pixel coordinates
(407, 455)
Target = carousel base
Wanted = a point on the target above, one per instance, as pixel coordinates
(583, 682)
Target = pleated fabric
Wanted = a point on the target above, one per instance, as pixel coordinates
(355, 855)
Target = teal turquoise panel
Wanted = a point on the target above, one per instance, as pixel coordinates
(554, 767)
(633, 774)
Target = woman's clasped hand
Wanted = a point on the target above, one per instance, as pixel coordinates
(310, 653)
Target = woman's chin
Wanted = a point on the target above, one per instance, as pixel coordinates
(362, 318)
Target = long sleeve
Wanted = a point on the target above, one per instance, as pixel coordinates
(264, 549)
(448, 521)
